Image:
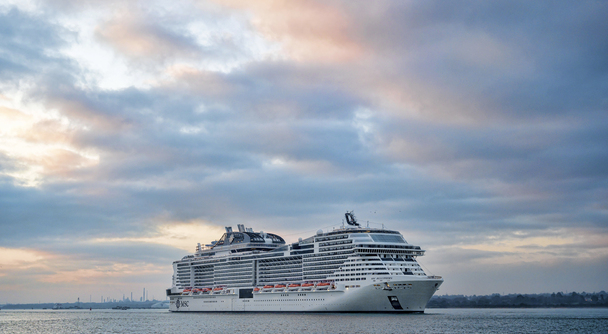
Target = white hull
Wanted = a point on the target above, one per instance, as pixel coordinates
(399, 295)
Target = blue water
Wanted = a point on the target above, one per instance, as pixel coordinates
(432, 321)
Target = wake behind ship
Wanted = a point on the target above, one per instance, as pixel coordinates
(350, 269)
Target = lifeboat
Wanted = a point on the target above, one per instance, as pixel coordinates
(206, 290)
(323, 286)
(294, 285)
(306, 285)
(217, 290)
(278, 286)
(268, 286)
(256, 289)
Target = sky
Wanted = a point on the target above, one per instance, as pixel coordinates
(130, 131)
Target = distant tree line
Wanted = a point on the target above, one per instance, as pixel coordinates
(559, 299)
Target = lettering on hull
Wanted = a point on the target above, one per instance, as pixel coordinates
(181, 303)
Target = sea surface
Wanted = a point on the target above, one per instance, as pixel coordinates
(590, 320)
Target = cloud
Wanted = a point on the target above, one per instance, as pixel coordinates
(60, 277)
(176, 234)
(30, 41)
(307, 30)
(477, 129)
(21, 258)
(42, 145)
(139, 39)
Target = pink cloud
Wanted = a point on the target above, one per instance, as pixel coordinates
(308, 30)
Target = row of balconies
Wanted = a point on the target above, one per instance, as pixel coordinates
(340, 242)
(280, 275)
(335, 237)
(327, 249)
(389, 251)
(281, 259)
(233, 263)
(347, 251)
(217, 270)
(325, 269)
(290, 266)
(229, 282)
(316, 277)
(263, 281)
(331, 259)
(238, 274)
(279, 269)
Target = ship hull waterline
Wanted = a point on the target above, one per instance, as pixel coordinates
(398, 296)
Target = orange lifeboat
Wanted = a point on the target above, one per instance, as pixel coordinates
(256, 289)
(323, 286)
(278, 286)
(206, 289)
(218, 289)
(294, 285)
(268, 286)
(305, 285)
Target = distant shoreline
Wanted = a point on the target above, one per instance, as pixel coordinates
(153, 304)
(544, 300)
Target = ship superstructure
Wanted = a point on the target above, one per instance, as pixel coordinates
(349, 269)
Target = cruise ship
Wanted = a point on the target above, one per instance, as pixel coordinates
(349, 269)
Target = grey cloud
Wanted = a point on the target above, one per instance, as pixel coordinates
(24, 40)
(115, 252)
(547, 60)
(462, 184)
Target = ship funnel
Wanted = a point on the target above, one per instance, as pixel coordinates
(350, 218)
(228, 229)
(241, 227)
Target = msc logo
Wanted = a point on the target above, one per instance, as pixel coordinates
(181, 303)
